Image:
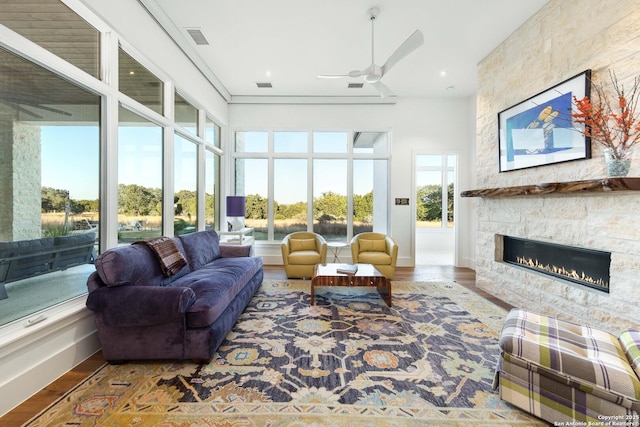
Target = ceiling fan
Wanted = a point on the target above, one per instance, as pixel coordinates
(373, 73)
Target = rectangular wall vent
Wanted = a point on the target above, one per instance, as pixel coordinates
(355, 85)
(264, 84)
(197, 36)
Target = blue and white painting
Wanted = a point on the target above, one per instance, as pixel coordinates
(540, 130)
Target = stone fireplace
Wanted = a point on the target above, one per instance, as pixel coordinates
(570, 211)
(582, 266)
(564, 220)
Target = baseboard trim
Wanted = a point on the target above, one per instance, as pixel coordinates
(27, 369)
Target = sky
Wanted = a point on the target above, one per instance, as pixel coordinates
(70, 160)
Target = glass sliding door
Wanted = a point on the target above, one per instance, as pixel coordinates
(435, 227)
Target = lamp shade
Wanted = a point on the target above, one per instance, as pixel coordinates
(235, 206)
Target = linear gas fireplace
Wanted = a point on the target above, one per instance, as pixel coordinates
(587, 267)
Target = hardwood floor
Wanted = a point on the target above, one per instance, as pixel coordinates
(58, 388)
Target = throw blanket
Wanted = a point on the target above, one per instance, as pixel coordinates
(169, 256)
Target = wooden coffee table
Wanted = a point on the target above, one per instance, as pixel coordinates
(367, 275)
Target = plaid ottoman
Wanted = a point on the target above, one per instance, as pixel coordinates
(561, 371)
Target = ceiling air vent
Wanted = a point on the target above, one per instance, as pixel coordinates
(264, 84)
(355, 85)
(197, 36)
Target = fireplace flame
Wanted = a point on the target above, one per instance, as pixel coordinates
(561, 271)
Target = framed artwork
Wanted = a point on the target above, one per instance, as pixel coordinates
(540, 130)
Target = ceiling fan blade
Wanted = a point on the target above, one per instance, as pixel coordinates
(352, 74)
(414, 41)
(384, 91)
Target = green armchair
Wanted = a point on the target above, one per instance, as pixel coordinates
(377, 249)
(301, 251)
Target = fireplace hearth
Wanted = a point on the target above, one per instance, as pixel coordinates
(586, 267)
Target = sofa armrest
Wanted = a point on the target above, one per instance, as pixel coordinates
(140, 305)
(235, 251)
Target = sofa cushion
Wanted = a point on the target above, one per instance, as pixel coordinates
(304, 258)
(215, 286)
(375, 258)
(302, 244)
(200, 248)
(630, 341)
(134, 265)
(367, 245)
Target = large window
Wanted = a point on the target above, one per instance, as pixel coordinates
(330, 198)
(290, 196)
(185, 186)
(55, 27)
(64, 132)
(252, 181)
(139, 178)
(49, 186)
(284, 173)
(139, 83)
(212, 133)
(186, 115)
(211, 184)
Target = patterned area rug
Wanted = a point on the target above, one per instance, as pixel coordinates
(347, 361)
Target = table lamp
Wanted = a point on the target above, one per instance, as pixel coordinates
(236, 210)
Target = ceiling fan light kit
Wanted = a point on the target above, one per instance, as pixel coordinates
(374, 73)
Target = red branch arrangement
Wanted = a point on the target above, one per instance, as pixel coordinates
(616, 127)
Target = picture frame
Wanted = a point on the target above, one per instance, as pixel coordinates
(541, 131)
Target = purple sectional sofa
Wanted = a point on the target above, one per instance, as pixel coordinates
(144, 313)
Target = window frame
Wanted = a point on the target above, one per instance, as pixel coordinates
(310, 156)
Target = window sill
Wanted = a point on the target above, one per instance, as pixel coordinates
(29, 329)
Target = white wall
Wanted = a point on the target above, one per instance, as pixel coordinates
(438, 126)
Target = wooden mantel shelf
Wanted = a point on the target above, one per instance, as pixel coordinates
(587, 186)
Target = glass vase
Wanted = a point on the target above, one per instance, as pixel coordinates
(618, 162)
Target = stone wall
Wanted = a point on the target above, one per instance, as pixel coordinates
(6, 172)
(20, 176)
(563, 39)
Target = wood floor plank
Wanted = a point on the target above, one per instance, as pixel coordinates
(28, 409)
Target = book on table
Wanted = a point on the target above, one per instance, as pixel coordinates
(347, 269)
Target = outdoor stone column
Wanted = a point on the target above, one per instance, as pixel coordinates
(20, 177)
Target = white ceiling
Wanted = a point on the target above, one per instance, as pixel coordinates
(290, 42)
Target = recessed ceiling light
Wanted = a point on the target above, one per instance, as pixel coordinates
(443, 73)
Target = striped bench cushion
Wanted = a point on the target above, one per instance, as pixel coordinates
(630, 341)
(577, 355)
